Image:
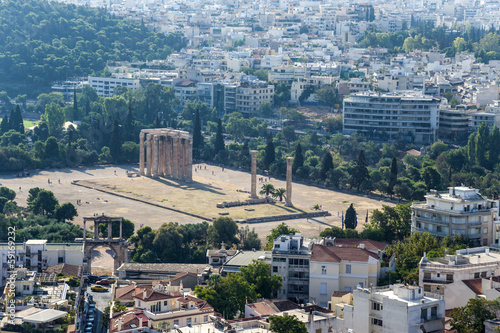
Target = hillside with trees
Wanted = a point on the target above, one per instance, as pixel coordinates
(42, 42)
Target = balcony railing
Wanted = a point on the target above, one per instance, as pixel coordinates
(437, 281)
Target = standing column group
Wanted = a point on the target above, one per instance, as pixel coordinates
(168, 153)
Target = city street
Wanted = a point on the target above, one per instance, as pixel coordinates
(102, 300)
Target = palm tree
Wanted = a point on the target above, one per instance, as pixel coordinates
(267, 189)
(279, 193)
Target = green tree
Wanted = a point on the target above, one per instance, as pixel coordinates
(286, 324)
(265, 109)
(360, 171)
(4, 127)
(471, 317)
(219, 138)
(333, 232)
(267, 189)
(249, 239)
(45, 203)
(350, 218)
(7, 193)
(393, 177)
(66, 211)
(281, 94)
(76, 112)
(482, 144)
(223, 229)
(54, 117)
(279, 193)
(197, 135)
(298, 160)
(16, 120)
(115, 143)
(327, 95)
(270, 154)
(393, 223)
(258, 274)
(326, 165)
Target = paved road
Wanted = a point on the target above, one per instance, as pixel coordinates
(102, 300)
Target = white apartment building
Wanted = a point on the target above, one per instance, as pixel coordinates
(251, 94)
(314, 82)
(105, 86)
(38, 255)
(287, 74)
(460, 211)
(410, 116)
(435, 275)
(290, 260)
(395, 309)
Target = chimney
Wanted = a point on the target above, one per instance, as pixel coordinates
(140, 321)
(144, 293)
(311, 316)
(119, 324)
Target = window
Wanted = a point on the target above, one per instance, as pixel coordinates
(361, 284)
(485, 230)
(188, 322)
(323, 270)
(323, 288)
(275, 269)
(438, 275)
(483, 274)
(423, 314)
(376, 306)
(60, 260)
(434, 310)
(205, 318)
(176, 322)
(348, 269)
(25, 287)
(376, 321)
(476, 275)
(165, 303)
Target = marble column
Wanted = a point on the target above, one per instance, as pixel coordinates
(175, 156)
(190, 160)
(84, 229)
(288, 194)
(141, 154)
(96, 230)
(253, 191)
(182, 153)
(169, 156)
(155, 156)
(121, 228)
(162, 155)
(149, 153)
(110, 229)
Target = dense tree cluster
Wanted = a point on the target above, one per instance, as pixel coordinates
(44, 41)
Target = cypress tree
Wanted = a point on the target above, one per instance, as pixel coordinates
(393, 177)
(197, 136)
(471, 149)
(129, 124)
(360, 172)
(87, 106)
(115, 144)
(16, 120)
(482, 144)
(270, 154)
(298, 161)
(157, 122)
(76, 114)
(4, 127)
(326, 165)
(219, 138)
(494, 147)
(350, 218)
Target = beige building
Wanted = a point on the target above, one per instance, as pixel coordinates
(340, 269)
(460, 211)
(251, 94)
(288, 73)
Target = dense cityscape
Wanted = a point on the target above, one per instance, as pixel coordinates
(284, 166)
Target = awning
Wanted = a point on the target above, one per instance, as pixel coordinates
(45, 316)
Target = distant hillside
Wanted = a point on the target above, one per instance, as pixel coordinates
(42, 42)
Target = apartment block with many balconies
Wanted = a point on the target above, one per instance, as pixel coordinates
(460, 211)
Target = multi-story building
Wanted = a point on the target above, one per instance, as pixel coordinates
(460, 211)
(287, 74)
(290, 260)
(105, 86)
(397, 308)
(453, 121)
(38, 255)
(476, 118)
(335, 268)
(407, 116)
(473, 263)
(251, 94)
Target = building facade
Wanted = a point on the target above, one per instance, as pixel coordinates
(460, 211)
(409, 116)
(290, 260)
(105, 86)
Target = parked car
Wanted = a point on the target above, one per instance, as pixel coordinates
(112, 279)
(93, 278)
(102, 277)
(99, 288)
(103, 282)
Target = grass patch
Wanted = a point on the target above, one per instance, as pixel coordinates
(345, 201)
(30, 123)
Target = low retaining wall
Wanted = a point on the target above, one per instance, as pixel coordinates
(245, 202)
(287, 217)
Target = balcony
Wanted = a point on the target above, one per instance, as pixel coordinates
(437, 281)
(431, 220)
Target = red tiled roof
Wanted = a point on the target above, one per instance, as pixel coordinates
(370, 245)
(127, 319)
(339, 293)
(476, 285)
(152, 295)
(65, 269)
(337, 254)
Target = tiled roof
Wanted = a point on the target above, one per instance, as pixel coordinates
(370, 245)
(129, 320)
(338, 254)
(339, 293)
(262, 308)
(152, 295)
(65, 269)
(126, 292)
(284, 305)
(476, 285)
